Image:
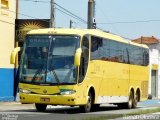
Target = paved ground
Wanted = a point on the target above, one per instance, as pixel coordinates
(20, 111)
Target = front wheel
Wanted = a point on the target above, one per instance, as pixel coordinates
(87, 108)
(40, 107)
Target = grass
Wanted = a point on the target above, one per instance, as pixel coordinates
(148, 111)
(104, 117)
(114, 116)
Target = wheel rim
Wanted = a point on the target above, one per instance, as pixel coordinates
(135, 100)
(130, 102)
(89, 103)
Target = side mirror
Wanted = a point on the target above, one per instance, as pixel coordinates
(14, 54)
(77, 57)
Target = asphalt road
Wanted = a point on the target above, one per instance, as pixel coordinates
(27, 112)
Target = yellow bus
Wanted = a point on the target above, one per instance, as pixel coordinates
(82, 67)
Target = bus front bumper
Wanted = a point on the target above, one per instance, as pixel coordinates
(52, 99)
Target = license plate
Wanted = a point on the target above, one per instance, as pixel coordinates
(45, 99)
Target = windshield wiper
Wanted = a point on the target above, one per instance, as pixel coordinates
(55, 75)
(35, 75)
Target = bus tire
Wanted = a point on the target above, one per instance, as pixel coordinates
(136, 99)
(129, 104)
(40, 107)
(87, 108)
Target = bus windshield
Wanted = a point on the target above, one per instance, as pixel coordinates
(49, 59)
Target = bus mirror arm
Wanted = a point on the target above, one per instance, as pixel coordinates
(14, 54)
(77, 58)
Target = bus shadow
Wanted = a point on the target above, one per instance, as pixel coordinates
(71, 110)
(76, 110)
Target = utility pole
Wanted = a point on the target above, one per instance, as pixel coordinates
(71, 22)
(52, 18)
(91, 14)
(16, 69)
(15, 40)
(17, 7)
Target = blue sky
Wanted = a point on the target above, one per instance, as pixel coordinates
(107, 11)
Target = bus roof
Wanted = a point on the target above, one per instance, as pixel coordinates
(81, 32)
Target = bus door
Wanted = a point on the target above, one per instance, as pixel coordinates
(83, 68)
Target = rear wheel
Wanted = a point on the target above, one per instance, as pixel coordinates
(136, 99)
(130, 102)
(87, 108)
(40, 107)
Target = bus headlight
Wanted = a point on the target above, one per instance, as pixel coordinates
(24, 91)
(67, 92)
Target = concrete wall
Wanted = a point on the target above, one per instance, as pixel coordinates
(158, 84)
(155, 60)
(7, 31)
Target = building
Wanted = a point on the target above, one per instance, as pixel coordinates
(7, 32)
(154, 46)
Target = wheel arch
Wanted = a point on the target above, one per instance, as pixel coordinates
(92, 90)
(131, 90)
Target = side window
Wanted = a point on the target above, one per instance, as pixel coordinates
(84, 58)
(145, 57)
(131, 54)
(96, 48)
(126, 54)
(123, 53)
(138, 55)
(106, 50)
(115, 51)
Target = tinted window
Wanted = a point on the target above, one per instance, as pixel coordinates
(145, 57)
(138, 55)
(110, 50)
(96, 48)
